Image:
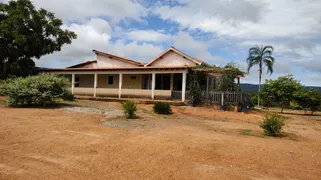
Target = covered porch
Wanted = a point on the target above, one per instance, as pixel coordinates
(152, 84)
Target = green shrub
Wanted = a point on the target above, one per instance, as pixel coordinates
(67, 96)
(2, 87)
(228, 107)
(272, 124)
(194, 89)
(162, 108)
(130, 109)
(39, 90)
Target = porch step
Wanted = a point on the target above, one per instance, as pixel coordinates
(137, 100)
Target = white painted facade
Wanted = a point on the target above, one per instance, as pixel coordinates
(171, 58)
(128, 75)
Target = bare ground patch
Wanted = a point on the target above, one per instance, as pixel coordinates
(93, 141)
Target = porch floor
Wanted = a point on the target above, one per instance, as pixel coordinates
(137, 100)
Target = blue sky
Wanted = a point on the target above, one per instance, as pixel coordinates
(216, 31)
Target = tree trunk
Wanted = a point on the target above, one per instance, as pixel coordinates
(282, 109)
(260, 76)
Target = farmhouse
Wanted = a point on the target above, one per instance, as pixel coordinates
(164, 77)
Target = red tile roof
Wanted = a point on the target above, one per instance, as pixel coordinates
(84, 63)
(120, 68)
(118, 57)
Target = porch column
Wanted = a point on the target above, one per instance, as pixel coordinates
(95, 84)
(120, 85)
(238, 91)
(72, 83)
(238, 84)
(172, 82)
(153, 85)
(183, 86)
(207, 83)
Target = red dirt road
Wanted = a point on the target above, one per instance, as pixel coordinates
(194, 143)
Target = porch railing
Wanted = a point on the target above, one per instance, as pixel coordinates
(215, 97)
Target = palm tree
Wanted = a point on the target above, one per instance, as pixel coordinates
(259, 56)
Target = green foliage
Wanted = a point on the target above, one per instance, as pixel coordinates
(39, 90)
(281, 90)
(67, 96)
(27, 33)
(206, 66)
(194, 89)
(263, 101)
(295, 105)
(308, 99)
(2, 87)
(261, 56)
(227, 81)
(162, 108)
(130, 108)
(228, 107)
(272, 124)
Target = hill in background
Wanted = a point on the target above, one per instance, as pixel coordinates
(255, 87)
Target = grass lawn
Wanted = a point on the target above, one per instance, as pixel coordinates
(92, 140)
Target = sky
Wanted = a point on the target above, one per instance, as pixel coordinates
(216, 31)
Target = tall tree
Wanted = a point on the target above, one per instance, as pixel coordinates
(261, 56)
(27, 33)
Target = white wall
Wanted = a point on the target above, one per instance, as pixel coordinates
(104, 61)
(172, 59)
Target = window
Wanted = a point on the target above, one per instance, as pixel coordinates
(110, 79)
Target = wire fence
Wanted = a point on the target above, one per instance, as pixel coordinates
(216, 97)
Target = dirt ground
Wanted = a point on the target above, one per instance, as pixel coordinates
(91, 140)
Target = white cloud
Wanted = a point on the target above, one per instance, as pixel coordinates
(147, 35)
(140, 51)
(81, 9)
(292, 27)
(247, 19)
(96, 34)
(197, 48)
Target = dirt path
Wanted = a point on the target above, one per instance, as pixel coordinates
(191, 144)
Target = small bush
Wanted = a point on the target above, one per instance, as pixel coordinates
(272, 124)
(39, 90)
(228, 107)
(67, 96)
(162, 108)
(2, 87)
(130, 109)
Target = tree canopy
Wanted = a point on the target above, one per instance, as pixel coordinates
(281, 90)
(309, 99)
(228, 77)
(27, 33)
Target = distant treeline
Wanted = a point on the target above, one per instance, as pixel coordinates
(254, 87)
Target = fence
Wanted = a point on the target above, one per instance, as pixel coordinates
(214, 97)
